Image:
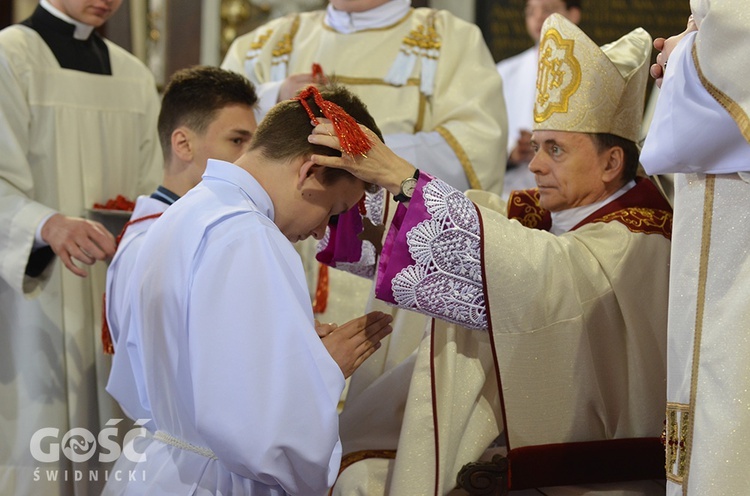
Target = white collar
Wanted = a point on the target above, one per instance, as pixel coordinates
(565, 220)
(351, 22)
(82, 32)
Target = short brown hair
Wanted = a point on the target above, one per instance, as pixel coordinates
(194, 95)
(282, 134)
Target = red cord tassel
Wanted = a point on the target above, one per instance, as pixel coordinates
(353, 140)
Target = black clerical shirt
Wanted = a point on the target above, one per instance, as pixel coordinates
(89, 55)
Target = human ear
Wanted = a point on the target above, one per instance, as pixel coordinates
(306, 170)
(181, 143)
(615, 164)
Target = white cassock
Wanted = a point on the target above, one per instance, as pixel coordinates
(124, 385)
(519, 89)
(440, 109)
(700, 140)
(243, 392)
(66, 143)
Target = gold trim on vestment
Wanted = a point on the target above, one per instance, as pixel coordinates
(642, 220)
(420, 114)
(675, 440)
(737, 113)
(708, 210)
(471, 175)
(285, 46)
(384, 28)
(261, 40)
(525, 207)
(353, 81)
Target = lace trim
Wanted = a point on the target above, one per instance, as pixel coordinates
(446, 279)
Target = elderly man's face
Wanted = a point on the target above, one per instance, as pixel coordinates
(568, 169)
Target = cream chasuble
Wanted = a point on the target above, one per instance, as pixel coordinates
(577, 341)
(431, 85)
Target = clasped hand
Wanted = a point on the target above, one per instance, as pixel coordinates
(352, 343)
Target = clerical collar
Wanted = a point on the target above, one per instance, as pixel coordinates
(565, 220)
(383, 16)
(165, 195)
(82, 31)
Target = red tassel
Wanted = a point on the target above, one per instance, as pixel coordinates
(353, 140)
(107, 344)
(320, 303)
(317, 71)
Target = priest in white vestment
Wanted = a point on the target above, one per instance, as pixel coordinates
(550, 334)
(429, 80)
(701, 132)
(77, 127)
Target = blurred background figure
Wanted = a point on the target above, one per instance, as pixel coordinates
(519, 84)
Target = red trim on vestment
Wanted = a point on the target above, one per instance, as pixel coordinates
(593, 462)
(435, 422)
(642, 209)
(107, 345)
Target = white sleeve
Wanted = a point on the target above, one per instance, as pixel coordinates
(19, 214)
(265, 388)
(690, 131)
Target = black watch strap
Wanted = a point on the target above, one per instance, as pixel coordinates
(404, 196)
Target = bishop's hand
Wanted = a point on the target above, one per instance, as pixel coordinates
(380, 165)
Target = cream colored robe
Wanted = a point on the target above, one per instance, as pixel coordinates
(701, 127)
(67, 139)
(458, 133)
(578, 332)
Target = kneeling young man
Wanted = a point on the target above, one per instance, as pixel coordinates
(243, 391)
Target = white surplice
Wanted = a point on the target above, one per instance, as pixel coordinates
(66, 142)
(240, 385)
(126, 384)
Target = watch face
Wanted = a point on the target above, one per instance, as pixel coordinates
(408, 187)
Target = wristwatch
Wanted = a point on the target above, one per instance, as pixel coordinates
(408, 186)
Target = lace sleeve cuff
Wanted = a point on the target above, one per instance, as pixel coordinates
(431, 259)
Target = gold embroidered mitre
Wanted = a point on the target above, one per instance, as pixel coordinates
(583, 88)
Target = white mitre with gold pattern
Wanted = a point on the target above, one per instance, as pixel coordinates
(583, 88)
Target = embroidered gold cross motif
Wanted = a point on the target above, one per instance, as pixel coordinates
(559, 75)
(675, 439)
